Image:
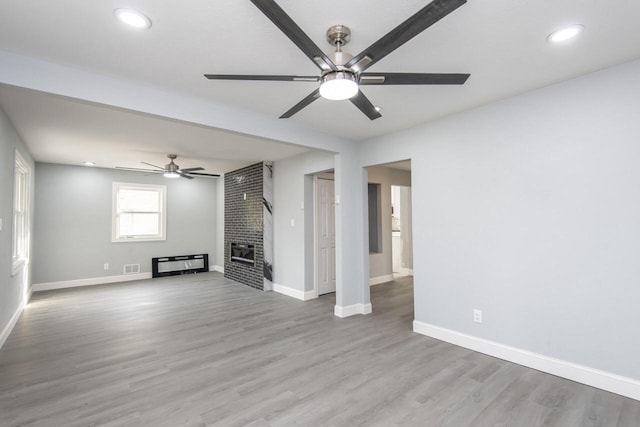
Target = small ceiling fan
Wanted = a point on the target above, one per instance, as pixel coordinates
(342, 74)
(171, 170)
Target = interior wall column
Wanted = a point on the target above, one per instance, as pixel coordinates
(352, 255)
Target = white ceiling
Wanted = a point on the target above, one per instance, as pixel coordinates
(62, 130)
(501, 43)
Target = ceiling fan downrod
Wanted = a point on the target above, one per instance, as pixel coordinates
(338, 36)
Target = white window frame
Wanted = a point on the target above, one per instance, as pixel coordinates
(115, 232)
(21, 208)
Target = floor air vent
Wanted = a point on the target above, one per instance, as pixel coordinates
(131, 268)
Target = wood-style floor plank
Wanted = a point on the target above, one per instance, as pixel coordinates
(201, 350)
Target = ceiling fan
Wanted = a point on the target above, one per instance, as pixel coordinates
(342, 74)
(171, 170)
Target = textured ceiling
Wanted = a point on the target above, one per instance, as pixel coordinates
(501, 43)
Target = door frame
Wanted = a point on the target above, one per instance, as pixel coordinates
(402, 271)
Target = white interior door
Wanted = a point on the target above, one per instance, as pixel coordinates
(326, 236)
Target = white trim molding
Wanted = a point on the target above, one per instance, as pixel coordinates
(116, 211)
(12, 322)
(294, 293)
(614, 383)
(380, 279)
(351, 310)
(217, 268)
(38, 287)
(21, 208)
(404, 272)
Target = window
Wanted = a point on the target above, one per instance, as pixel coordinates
(138, 212)
(20, 247)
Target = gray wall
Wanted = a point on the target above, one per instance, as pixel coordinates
(380, 264)
(291, 249)
(73, 222)
(12, 288)
(528, 209)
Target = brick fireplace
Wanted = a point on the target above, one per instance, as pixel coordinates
(248, 225)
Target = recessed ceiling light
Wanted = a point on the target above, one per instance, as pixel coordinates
(565, 33)
(132, 18)
(89, 163)
(378, 108)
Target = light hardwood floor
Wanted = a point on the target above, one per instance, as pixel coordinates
(202, 350)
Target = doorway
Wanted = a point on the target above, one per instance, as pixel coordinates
(391, 256)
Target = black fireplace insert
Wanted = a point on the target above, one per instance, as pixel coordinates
(243, 253)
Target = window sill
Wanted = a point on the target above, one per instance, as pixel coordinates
(17, 266)
(139, 239)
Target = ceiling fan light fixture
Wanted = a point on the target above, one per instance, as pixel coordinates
(171, 174)
(338, 85)
(132, 18)
(565, 33)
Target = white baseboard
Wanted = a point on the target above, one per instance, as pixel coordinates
(380, 279)
(217, 268)
(404, 272)
(12, 322)
(583, 374)
(351, 310)
(38, 287)
(294, 293)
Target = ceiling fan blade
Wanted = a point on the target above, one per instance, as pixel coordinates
(413, 79)
(214, 175)
(155, 166)
(184, 175)
(363, 103)
(420, 21)
(283, 21)
(137, 169)
(191, 169)
(280, 78)
(300, 105)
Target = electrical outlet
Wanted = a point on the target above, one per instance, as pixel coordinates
(106, 265)
(477, 316)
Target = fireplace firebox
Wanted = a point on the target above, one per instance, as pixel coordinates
(243, 253)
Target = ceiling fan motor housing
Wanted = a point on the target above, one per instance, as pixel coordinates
(339, 35)
(171, 166)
